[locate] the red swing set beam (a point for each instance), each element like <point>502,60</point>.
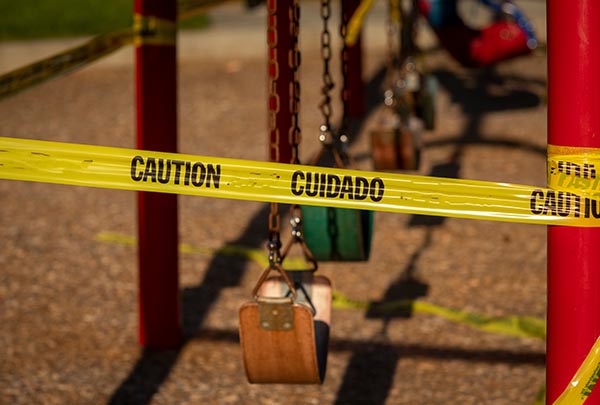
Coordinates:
<point>573,253</point>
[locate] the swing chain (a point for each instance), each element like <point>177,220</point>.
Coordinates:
<point>294,61</point>
<point>328,85</point>
<point>274,242</point>
<point>393,54</point>
<point>343,138</point>
<point>345,91</point>
<point>274,102</point>
<point>298,238</point>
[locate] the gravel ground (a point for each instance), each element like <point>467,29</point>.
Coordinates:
<point>68,302</point>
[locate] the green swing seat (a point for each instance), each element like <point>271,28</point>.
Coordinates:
<point>338,234</point>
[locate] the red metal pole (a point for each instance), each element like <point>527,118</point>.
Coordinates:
<point>156,100</point>
<point>280,45</point>
<point>573,253</point>
<point>356,92</point>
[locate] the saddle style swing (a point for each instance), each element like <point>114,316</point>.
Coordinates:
<point>284,330</point>
<point>409,97</point>
<point>335,234</point>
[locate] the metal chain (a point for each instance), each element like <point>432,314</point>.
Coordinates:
<point>295,134</point>
<point>328,85</point>
<point>274,102</point>
<point>274,243</point>
<point>294,61</point>
<point>393,32</point>
<point>345,91</point>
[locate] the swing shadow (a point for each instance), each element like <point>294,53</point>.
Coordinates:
<point>154,366</point>
<point>370,371</point>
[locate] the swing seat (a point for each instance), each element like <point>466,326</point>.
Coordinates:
<point>285,342</point>
<point>397,148</point>
<point>338,234</point>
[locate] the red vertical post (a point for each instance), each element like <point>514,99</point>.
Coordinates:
<point>356,92</point>
<point>280,74</point>
<point>156,101</point>
<point>573,253</point>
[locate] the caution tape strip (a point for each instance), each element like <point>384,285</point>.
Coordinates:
<point>189,8</point>
<point>130,169</point>
<point>357,20</point>
<point>581,385</point>
<point>146,30</point>
<point>509,325</point>
<point>150,30</point>
<point>256,255</point>
<point>63,62</point>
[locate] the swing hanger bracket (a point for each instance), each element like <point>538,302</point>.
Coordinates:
<point>275,313</point>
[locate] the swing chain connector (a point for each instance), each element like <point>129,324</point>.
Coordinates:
<point>274,247</point>
<point>296,223</point>
<point>326,135</point>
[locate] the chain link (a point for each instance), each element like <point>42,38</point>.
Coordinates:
<point>345,91</point>
<point>393,28</point>
<point>274,243</point>
<point>274,102</point>
<point>294,62</point>
<point>328,85</point>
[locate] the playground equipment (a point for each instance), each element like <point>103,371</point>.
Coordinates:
<point>337,234</point>
<point>573,293</point>
<point>573,122</point>
<point>409,104</point>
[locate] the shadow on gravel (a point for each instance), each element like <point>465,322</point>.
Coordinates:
<point>370,372</point>
<point>153,367</point>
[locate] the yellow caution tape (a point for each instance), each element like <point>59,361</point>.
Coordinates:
<point>256,255</point>
<point>146,30</point>
<point>584,380</point>
<point>63,62</point>
<point>395,11</point>
<point>508,325</point>
<point>129,169</point>
<point>573,169</point>
<point>356,21</point>
<point>519,326</point>
<point>189,8</point>
<point>540,398</point>
<point>150,30</point>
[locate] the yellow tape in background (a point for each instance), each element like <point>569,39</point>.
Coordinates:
<point>128,169</point>
<point>63,62</point>
<point>146,30</point>
<point>519,326</point>
<point>357,21</point>
<point>584,380</point>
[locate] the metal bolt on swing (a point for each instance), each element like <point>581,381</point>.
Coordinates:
<point>296,223</point>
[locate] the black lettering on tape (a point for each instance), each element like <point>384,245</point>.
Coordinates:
<point>331,185</point>
<point>136,176</point>
<point>167,171</point>
<point>164,173</point>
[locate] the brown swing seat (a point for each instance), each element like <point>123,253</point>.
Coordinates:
<point>285,340</point>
